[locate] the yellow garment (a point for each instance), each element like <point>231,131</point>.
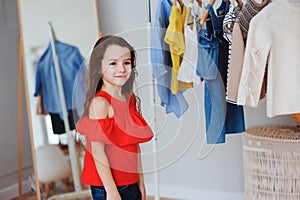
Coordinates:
<point>175,38</point>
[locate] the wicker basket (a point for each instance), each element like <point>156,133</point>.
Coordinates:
<point>296,118</point>
<point>272,163</point>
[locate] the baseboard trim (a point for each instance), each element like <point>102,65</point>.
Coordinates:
<point>13,190</point>
<point>169,191</point>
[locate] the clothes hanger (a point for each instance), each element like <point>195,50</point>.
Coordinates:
<point>188,13</point>
<point>180,3</point>
<point>240,5</point>
<point>239,2</point>
<point>199,3</point>
<point>203,18</point>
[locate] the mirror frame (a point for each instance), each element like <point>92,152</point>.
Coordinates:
<point>28,106</point>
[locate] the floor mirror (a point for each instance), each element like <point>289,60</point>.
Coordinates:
<point>72,24</point>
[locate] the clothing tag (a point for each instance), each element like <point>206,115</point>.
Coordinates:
<point>221,12</point>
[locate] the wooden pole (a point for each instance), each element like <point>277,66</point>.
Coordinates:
<point>24,72</point>
<point>20,122</point>
<point>97,18</point>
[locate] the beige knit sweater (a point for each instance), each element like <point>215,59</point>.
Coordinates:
<point>273,38</point>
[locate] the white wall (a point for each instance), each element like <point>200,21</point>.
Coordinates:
<point>9,31</point>
<point>181,140</point>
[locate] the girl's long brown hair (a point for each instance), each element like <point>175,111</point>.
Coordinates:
<point>94,76</point>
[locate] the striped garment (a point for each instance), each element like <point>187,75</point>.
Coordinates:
<point>249,10</point>
<point>228,23</point>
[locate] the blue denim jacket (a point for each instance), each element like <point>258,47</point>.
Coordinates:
<point>70,61</point>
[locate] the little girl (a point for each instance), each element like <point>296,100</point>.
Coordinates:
<point>112,124</point>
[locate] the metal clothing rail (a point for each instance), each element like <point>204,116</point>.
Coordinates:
<point>152,95</point>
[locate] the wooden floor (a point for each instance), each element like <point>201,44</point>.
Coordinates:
<point>28,196</point>
<point>57,188</point>
<point>32,196</point>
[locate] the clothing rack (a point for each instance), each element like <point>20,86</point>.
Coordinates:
<point>152,95</point>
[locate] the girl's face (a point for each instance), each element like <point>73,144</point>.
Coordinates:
<point>116,66</point>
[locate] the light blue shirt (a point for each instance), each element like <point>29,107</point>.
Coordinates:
<point>79,90</point>
<point>70,61</point>
<point>162,63</point>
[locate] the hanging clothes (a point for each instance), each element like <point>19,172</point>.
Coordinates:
<point>79,90</point>
<point>280,48</point>
<point>175,38</point>
<point>58,125</point>
<point>220,117</point>
<point>228,24</point>
<point>70,61</point>
<point>239,36</point>
<point>161,62</point>
<point>187,70</point>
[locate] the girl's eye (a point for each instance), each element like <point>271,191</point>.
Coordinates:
<point>127,63</point>
<point>112,63</point>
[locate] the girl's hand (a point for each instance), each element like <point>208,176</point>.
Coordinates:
<point>143,190</point>
<point>114,196</point>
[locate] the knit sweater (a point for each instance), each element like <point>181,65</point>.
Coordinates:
<point>273,38</point>
<point>239,35</point>
<point>249,10</point>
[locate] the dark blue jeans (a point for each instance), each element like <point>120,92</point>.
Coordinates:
<point>127,192</point>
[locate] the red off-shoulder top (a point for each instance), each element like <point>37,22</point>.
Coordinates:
<point>121,134</point>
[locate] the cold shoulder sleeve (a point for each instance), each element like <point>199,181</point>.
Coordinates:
<point>119,130</point>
